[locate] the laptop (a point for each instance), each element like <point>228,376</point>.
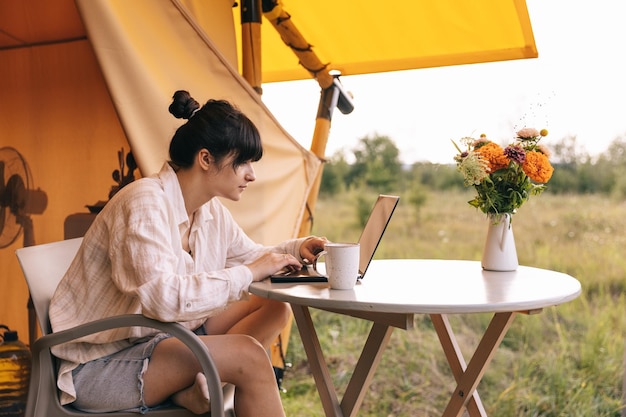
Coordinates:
<point>370,237</point>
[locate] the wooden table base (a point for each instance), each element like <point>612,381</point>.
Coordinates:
<point>364,371</point>
<point>467,376</point>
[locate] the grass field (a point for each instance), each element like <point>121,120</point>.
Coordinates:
<point>566,361</point>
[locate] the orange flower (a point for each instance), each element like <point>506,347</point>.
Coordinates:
<point>494,155</point>
<point>537,167</point>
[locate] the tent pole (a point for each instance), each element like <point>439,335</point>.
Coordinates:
<point>331,97</point>
<point>291,36</point>
<point>251,64</point>
<point>332,93</point>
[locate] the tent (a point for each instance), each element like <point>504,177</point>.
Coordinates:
<point>79,80</point>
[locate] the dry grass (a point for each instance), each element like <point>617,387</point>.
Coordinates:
<point>567,361</point>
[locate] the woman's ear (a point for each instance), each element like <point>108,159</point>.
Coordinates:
<point>204,158</point>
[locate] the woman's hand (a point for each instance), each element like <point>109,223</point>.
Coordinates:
<point>311,247</point>
<point>270,263</point>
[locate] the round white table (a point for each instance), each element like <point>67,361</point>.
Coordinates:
<point>392,291</point>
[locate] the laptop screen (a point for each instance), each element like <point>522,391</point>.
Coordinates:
<point>374,229</point>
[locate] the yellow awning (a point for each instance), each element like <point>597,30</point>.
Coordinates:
<point>369,36</point>
<point>354,37</point>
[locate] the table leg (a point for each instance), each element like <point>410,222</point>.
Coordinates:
<point>319,369</point>
<point>455,359</point>
<point>468,378</point>
<point>366,366</point>
<point>361,377</point>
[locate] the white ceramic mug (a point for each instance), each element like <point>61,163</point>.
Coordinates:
<point>342,264</point>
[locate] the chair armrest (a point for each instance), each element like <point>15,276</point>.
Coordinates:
<point>190,339</point>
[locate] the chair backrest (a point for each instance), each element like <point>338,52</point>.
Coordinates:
<point>44,266</point>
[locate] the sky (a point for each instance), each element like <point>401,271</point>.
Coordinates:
<point>576,87</point>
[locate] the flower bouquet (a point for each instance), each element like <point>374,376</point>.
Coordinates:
<point>504,178</point>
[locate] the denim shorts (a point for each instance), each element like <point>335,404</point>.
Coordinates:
<point>115,382</point>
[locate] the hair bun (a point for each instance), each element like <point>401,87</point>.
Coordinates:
<point>183,105</point>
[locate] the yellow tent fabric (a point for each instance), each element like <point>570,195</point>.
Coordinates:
<point>368,36</point>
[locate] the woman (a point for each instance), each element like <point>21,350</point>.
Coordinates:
<point>166,248</point>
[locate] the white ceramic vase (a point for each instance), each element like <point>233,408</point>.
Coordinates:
<point>500,253</point>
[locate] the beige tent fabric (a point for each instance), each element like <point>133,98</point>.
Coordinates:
<point>147,49</point>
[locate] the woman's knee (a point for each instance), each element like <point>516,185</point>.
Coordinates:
<point>249,357</point>
<point>250,348</point>
<point>280,311</point>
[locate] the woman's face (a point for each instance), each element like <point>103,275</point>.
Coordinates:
<point>230,182</point>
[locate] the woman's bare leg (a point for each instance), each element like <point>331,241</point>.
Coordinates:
<point>258,317</point>
<point>241,360</point>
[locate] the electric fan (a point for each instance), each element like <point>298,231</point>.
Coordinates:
<point>17,199</point>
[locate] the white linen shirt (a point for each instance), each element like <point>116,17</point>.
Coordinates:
<point>132,261</point>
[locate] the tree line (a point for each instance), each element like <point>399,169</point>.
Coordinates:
<point>374,163</point>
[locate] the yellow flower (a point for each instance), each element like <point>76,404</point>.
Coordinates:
<point>543,132</point>
<point>537,167</point>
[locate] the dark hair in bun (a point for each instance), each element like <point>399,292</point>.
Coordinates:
<point>183,105</point>
<point>218,127</point>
